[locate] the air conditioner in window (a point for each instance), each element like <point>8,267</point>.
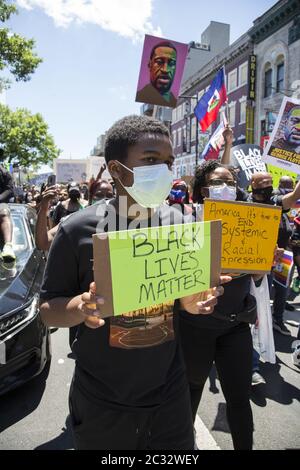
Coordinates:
<point>199,45</point>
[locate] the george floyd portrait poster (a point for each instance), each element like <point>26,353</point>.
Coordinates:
<point>283,148</point>
<point>161,71</point>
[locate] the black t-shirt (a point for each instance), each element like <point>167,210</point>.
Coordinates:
<point>119,372</point>
<point>231,302</point>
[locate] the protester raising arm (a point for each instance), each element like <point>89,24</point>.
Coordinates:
<point>43,237</point>
<point>289,200</point>
<point>228,137</point>
<point>101,171</point>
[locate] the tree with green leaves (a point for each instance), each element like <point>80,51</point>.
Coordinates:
<point>24,138</point>
<point>16,53</point>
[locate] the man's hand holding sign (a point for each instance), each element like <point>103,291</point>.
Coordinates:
<point>195,304</point>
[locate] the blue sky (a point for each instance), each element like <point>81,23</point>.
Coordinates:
<point>91,52</point>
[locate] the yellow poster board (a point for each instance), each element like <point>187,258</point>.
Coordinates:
<point>249,234</point>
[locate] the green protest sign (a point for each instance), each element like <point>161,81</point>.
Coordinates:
<point>154,265</point>
<point>277,173</point>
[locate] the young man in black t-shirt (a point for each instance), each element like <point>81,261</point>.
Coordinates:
<point>124,394</point>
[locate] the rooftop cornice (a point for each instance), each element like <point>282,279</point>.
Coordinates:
<point>274,19</point>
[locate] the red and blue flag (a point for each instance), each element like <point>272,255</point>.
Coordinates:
<point>214,145</point>
<point>209,104</point>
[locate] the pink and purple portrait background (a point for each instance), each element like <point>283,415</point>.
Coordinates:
<point>149,43</point>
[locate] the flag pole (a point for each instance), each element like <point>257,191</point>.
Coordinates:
<point>226,102</point>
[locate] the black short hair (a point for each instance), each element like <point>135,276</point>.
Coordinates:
<point>127,131</point>
<point>162,44</point>
<point>201,173</point>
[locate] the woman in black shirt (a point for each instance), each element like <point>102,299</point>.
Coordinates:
<point>223,337</point>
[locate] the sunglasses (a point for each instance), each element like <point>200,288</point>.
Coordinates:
<point>219,182</point>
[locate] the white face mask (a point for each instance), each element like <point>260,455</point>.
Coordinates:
<point>151,184</point>
<point>224,192</point>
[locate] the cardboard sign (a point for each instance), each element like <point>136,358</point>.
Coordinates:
<point>249,234</point>
<point>283,270</point>
<point>248,159</point>
<point>283,148</point>
<point>161,71</point>
<point>135,269</point>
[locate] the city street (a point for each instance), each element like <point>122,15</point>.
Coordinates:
<point>35,416</point>
<point>275,405</point>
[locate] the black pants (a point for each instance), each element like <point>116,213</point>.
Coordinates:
<point>101,427</point>
<point>231,349</point>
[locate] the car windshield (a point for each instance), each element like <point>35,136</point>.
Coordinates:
<point>20,240</point>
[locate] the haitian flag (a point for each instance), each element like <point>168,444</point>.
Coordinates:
<point>209,104</point>
<point>213,147</point>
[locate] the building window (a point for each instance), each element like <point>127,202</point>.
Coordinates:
<point>243,74</point>
<point>280,77</point>
<point>268,83</point>
<point>243,111</point>
<point>193,129</point>
<point>232,80</point>
<point>174,138</point>
<point>232,115</point>
<point>182,108</point>
<point>178,137</point>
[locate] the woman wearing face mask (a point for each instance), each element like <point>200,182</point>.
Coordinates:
<point>224,336</point>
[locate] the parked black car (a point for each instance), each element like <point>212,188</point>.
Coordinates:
<point>25,346</point>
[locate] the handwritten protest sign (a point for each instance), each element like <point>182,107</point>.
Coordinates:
<point>283,148</point>
<point>247,158</point>
<point>153,265</point>
<point>249,234</point>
